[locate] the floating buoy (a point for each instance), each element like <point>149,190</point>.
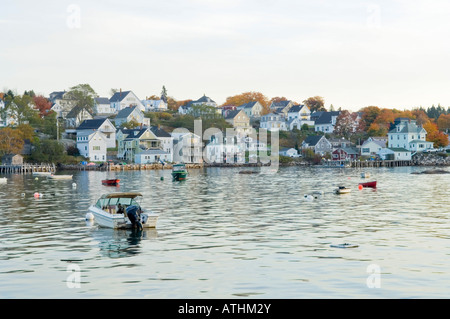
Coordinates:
<point>89,216</point>
<point>162,178</point>
<point>36,178</point>
<point>74,185</point>
<point>360,187</point>
<point>308,197</point>
<point>37,195</point>
<point>23,194</point>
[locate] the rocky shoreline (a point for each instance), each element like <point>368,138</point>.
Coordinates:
<point>438,159</point>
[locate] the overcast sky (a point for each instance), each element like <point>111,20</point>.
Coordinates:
<point>392,53</point>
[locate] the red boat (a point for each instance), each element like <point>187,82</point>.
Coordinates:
<point>111,182</point>
<point>369,184</point>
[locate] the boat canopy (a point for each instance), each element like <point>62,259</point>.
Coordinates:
<point>122,195</point>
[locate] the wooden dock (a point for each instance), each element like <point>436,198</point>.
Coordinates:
<point>27,168</point>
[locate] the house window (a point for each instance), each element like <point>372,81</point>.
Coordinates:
<point>96,148</point>
<point>366,150</point>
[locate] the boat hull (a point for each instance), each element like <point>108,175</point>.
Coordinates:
<point>179,176</point>
<point>111,182</point>
<point>120,221</point>
<point>369,184</point>
<point>60,177</point>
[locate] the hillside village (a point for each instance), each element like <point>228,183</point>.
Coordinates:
<point>126,128</point>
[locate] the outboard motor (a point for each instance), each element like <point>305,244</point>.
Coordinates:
<point>133,213</point>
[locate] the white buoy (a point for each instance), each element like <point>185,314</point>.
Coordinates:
<point>308,197</point>
<point>89,216</point>
<point>74,185</point>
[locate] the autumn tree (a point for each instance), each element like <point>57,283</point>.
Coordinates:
<point>369,114</point>
<point>247,97</point>
<point>42,104</point>
<point>315,103</point>
<point>11,141</point>
<point>438,138</point>
<point>344,124</point>
<point>443,122</point>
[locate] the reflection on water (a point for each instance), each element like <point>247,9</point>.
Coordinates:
<point>222,234</point>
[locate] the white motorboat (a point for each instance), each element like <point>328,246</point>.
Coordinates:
<point>3,179</point>
<point>342,190</point>
<point>42,173</point>
<point>122,210</point>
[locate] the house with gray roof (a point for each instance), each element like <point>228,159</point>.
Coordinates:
<point>318,143</point>
<point>326,122</point>
<point>165,138</point>
<point>281,106</point>
<point>102,125</point>
<point>204,100</point>
<point>406,134</point>
<point>123,99</point>
<point>252,109</point>
<point>76,116</point>
<point>129,114</point>
<point>102,106</point>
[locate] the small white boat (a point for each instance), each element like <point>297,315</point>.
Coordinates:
<point>42,173</point>
<point>53,176</point>
<point>365,175</point>
<point>3,179</point>
<point>342,190</point>
<point>122,210</point>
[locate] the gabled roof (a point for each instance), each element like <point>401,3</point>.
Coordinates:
<point>101,100</point>
<point>124,113</point>
<point>326,117</point>
<point>280,104</point>
<point>248,105</point>
<point>408,128</point>
<point>91,124</point>
<point>312,140</point>
<point>380,143</point>
<point>134,133</point>
<point>159,132</point>
<point>232,114</point>
<point>204,99</point>
<point>89,134</point>
<point>295,108</point>
<point>119,96</point>
<point>75,111</point>
<point>57,94</point>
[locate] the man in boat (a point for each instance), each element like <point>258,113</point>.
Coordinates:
<point>134,215</point>
<point>120,209</point>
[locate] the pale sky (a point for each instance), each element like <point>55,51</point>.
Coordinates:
<point>388,53</point>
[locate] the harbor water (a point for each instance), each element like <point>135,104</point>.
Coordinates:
<point>221,234</point>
